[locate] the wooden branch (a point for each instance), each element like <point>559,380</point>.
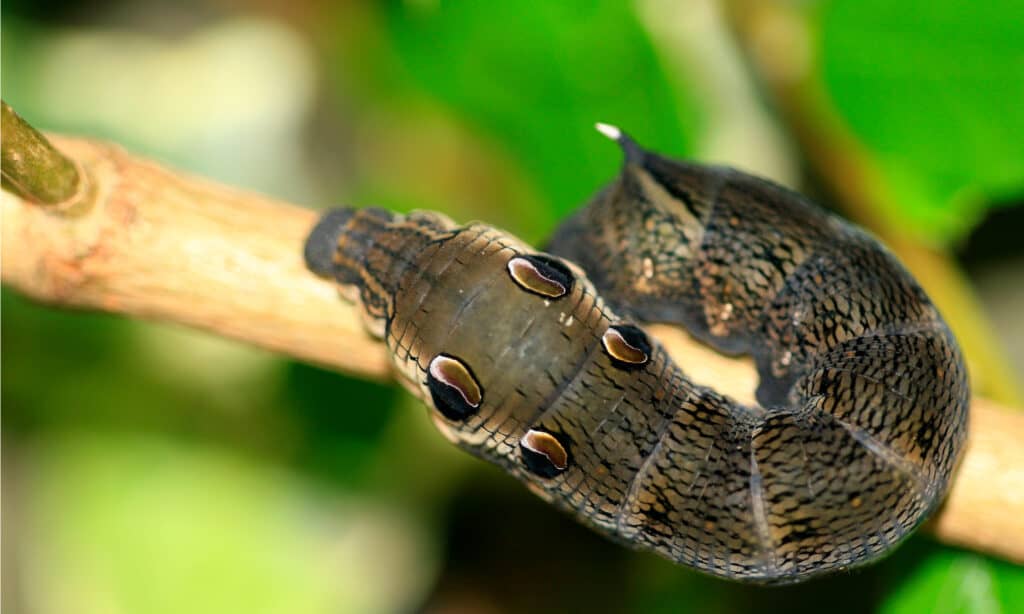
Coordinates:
<point>163,246</point>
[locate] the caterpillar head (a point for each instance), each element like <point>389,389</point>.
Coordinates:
<point>345,246</point>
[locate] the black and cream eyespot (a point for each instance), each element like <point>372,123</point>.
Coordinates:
<point>541,275</point>
<point>454,389</point>
<point>544,454</point>
<point>627,345</point>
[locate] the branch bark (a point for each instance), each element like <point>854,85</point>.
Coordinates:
<point>163,246</point>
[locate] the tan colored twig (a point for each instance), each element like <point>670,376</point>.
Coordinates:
<point>159,245</point>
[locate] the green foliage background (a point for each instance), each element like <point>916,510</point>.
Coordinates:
<point>151,469</point>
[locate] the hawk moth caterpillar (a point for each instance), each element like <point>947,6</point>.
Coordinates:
<point>862,402</point>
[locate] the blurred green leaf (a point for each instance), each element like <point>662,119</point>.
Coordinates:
<point>538,79</point>
<point>341,420</point>
<point>81,351</point>
<point>935,89</point>
<point>100,371</point>
<point>951,582</point>
<point>156,526</point>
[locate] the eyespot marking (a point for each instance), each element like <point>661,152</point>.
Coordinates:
<point>544,454</point>
<point>541,275</point>
<point>627,346</point>
<point>453,387</point>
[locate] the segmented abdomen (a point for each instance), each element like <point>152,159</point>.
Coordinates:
<point>863,395</point>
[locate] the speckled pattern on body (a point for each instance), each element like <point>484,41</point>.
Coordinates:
<point>863,397</point>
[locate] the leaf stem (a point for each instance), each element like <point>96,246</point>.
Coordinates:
<point>31,166</point>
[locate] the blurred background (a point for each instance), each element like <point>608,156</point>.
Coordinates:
<point>149,468</point>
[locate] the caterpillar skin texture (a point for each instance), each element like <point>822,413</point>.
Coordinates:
<point>863,395</point>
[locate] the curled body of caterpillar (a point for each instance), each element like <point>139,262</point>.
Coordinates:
<point>863,395</point>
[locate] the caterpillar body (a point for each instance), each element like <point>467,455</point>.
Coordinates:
<point>862,402</point>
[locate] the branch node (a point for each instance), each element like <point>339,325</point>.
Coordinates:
<point>33,168</point>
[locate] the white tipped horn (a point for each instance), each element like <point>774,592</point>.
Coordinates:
<point>629,147</point>
<point>609,130</point>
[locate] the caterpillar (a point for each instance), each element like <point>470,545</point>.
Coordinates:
<point>536,362</point>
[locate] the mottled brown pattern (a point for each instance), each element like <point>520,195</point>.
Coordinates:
<point>863,395</point>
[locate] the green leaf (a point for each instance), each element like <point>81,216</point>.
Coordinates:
<point>148,525</point>
<point>935,89</point>
<point>538,79</point>
<point>340,420</point>
<point>951,582</point>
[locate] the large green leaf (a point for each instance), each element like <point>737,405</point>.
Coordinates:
<point>538,79</point>
<point>951,582</point>
<point>935,89</point>
<point>149,525</point>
